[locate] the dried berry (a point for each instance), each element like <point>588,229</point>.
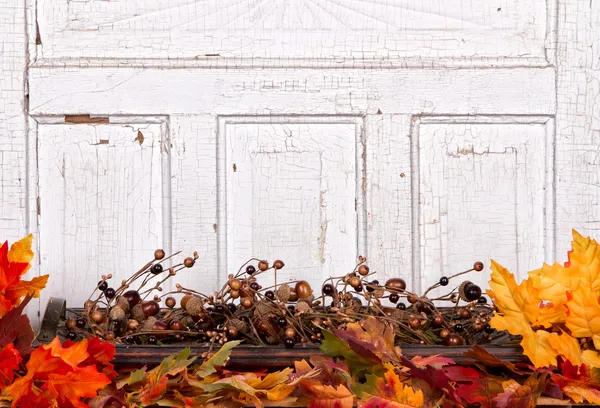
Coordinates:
<point>152,340</point>
<point>102,285</point>
<point>80,323</point>
<point>70,323</point>
<point>401,306</point>
<point>363,270</point>
<point>444,281</point>
<point>170,302</point>
<point>394,297</point>
<point>289,342</point>
<point>72,336</point>
<point>188,262</point>
<point>250,270</point>
<point>328,289</point>
<point>235,284</point>
<point>269,294</point>
<point>156,269</point>
<point>396,284</point>
<point>159,254</point>
<point>109,293</point>
<point>263,265</point>
<point>478,266</point>
<point>278,264</point>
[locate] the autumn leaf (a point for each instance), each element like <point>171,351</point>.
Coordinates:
<point>480,354</point>
<point>578,382</point>
<point>566,346</point>
<point>371,339</point>
<point>473,386</point>
<point>23,288</point>
<point>73,355</point>
<point>390,392</point>
<point>16,329</point>
<point>216,360</point>
<point>435,361</point>
<point>333,346</point>
<point>9,362</point>
<point>101,353</point>
<point>436,378</point>
<point>583,315</point>
<point>71,387</point>
<point>516,395</point>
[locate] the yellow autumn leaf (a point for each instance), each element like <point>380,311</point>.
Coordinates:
<point>20,251</point>
<point>585,258</point>
<point>583,315</point>
<point>516,301</point>
<point>590,358</point>
<point>566,346</point>
<point>578,393</point>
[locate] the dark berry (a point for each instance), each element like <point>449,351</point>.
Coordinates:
<point>156,269</point>
<point>80,323</point>
<point>458,327</point>
<point>359,288</point>
<point>152,340</point>
<point>444,281</point>
<point>250,269</point>
<point>488,329</point>
<point>375,282</point>
<point>109,293</point>
<point>394,297</point>
<point>472,292</point>
<point>220,309</point>
<point>254,286</point>
<point>72,336</point>
<point>482,300</point>
<point>210,309</point>
<point>232,307</point>
<point>328,289</point>
<point>102,285</point>
<point>292,308</point>
<point>401,306</point>
<point>269,294</point>
<point>289,342</point>
<point>281,321</point>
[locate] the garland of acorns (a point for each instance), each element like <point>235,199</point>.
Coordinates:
<point>287,313</point>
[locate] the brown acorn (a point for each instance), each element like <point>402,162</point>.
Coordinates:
<point>132,324</point>
<point>363,270</point>
<point>170,302</point>
<point>263,265</point>
<point>188,262</point>
<point>355,281</point>
<point>97,316</point>
<point>235,284</point>
<point>175,324</point>
<point>278,264</point>
<point>160,325</point>
<point>262,327</point>
<point>247,302</point>
<point>396,284</point>
<point>133,297</point>
<point>184,300</point>
<point>70,323</point>
<point>159,254</point>
<point>454,340</point>
<point>414,323</point>
<point>150,308</point>
<point>303,289</point>
<point>293,296</point>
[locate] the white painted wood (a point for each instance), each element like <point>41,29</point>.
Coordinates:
<point>257,30</point>
<point>578,122</point>
<point>101,203</point>
<point>291,194</point>
<point>482,195</point>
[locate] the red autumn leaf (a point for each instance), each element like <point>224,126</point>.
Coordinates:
<point>522,396</point>
<point>474,386</point>
<point>436,378</point>
<point>390,392</point>
<point>73,354</point>
<point>16,329</point>
<point>480,354</point>
<point>9,362</point>
<point>578,382</point>
<point>372,339</point>
<point>101,353</point>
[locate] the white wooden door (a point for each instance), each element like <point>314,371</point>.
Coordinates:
<point>424,135</point>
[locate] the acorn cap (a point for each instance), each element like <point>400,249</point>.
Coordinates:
<point>137,313</point>
<point>123,303</point>
<point>149,323</point>
<point>117,313</point>
<point>283,293</point>
<point>195,306</point>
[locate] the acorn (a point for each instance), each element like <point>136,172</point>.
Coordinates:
<point>122,303</point>
<point>454,340</point>
<point>262,327</point>
<point>195,306</point>
<point>133,297</point>
<point>263,265</point>
<point>184,300</point>
<point>235,284</point>
<point>156,269</point>
<point>150,308</point>
<point>159,254</point>
<point>478,266</point>
<point>70,323</point>
<point>137,313</point>
<point>290,332</point>
<point>170,302</point>
<point>278,264</point>
<point>175,324</point>
<point>303,289</point>
<point>148,324</point>
<point>414,323</point>
<point>117,313</point>
<point>247,302</point>
<point>132,324</point>
<point>396,284</point>
<point>188,262</point>
<point>293,296</point>
<point>160,325</point>
<point>363,270</point>
<point>355,282</point>
<point>469,292</point>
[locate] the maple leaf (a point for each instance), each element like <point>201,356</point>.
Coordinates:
<point>16,329</point>
<point>14,263</point>
<point>216,360</point>
<point>578,382</point>
<point>72,386</point>
<point>9,362</point>
<point>372,339</point>
<point>583,316</point>
<point>480,354</point>
<point>436,378</point>
<point>435,361</point>
<point>473,386</point>
<point>101,353</point>
<point>333,346</point>
<point>516,395</point>
<point>390,392</point>
<point>73,354</point>
<point>566,346</point>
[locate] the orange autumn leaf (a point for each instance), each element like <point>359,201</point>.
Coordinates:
<point>390,392</point>
<point>14,263</point>
<point>583,315</point>
<point>71,387</point>
<point>566,346</point>
<point>9,362</point>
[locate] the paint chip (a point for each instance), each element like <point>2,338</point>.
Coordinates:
<point>139,138</point>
